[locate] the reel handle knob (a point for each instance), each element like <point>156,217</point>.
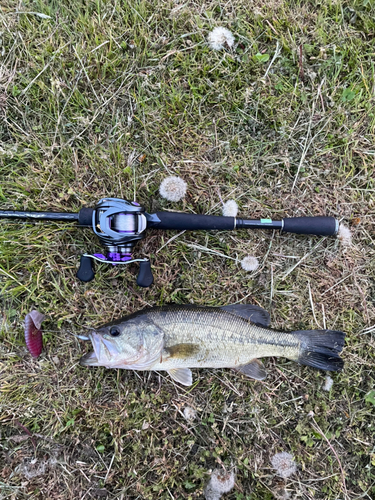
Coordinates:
<point>86,269</point>
<point>145,277</point>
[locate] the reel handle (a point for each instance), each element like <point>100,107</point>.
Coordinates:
<point>145,277</point>
<point>86,271</point>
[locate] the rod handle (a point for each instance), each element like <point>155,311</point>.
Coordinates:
<point>191,222</point>
<point>320,226</point>
<point>85,217</point>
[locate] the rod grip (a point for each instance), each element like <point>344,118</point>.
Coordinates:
<point>320,226</point>
<point>85,217</point>
<point>192,222</point>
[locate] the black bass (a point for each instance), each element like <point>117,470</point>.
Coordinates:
<point>177,338</point>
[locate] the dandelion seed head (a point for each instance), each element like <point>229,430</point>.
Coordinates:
<point>220,482</point>
<point>33,469</point>
<point>230,209</point>
<point>173,188</point>
<point>345,235</point>
<point>328,383</point>
<point>284,464</point>
<point>312,75</point>
<point>189,413</point>
<point>219,37</point>
<point>249,263</point>
<point>210,494</point>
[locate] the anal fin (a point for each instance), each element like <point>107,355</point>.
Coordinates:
<point>181,375</point>
<point>255,369</point>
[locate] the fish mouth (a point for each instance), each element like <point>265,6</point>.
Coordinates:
<point>89,359</point>
<point>103,352</point>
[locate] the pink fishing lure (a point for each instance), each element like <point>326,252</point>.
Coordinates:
<point>33,332</point>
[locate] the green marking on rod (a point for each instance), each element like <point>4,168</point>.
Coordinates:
<point>266,221</point>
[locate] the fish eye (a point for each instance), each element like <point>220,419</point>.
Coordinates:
<point>114,331</point>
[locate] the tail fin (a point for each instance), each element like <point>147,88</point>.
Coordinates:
<point>321,348</point>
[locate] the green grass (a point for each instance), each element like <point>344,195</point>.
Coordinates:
<point>108,98</point>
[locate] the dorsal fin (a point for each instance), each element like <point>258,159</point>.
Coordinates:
<point>255,314</point>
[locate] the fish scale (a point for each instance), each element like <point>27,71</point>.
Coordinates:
<point>224,340</point>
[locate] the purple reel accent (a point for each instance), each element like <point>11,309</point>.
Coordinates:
<point>118,257</point>
<point>114,257</point>
<point>100,256</point>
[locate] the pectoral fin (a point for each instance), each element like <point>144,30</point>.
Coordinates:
<point>181,375</point>
<point>252,313</point>
<point>255,369</point>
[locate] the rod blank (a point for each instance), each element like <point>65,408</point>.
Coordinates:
<point>56,216</point>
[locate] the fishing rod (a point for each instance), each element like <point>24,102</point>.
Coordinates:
<point>119,224</point>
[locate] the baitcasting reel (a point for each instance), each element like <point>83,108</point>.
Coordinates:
<point>119,224</point>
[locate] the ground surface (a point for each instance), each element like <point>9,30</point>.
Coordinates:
<point>107,99</point>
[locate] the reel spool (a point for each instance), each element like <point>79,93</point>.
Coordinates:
<point>119,224</point>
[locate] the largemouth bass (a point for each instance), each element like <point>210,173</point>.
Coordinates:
<point>178,338</point>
